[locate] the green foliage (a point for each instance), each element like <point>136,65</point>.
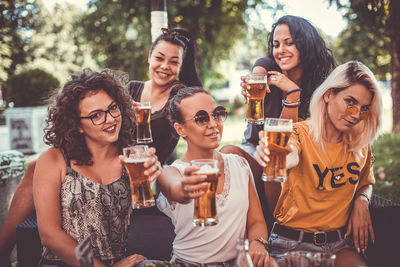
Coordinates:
<point>366,39</point>
<point>387,166</point>
<point>31,87</point>
<point>16,16</point>
<point>216,25</point>
<point>57,45</point>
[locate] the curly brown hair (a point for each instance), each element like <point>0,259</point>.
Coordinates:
<point>63,122</point>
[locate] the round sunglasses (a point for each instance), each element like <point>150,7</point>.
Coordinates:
<point>202,117</point>
<point>353,110</point>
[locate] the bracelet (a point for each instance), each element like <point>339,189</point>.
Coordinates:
<point>364,195</point>
<point>294,90</point>
<point>288,104</point>
<point>261,240</point>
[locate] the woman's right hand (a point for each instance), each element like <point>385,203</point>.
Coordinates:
<point>193,184</point>
<point>245,87</point>
<point>130,261</point>
<point>262,152</point>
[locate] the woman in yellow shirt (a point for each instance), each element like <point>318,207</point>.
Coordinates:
<point>326,196</point>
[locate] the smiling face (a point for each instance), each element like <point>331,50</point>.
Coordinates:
<point>106,133</point>
<point>207,136</point>
<point>356,96</point>
<point>165,63</point>
<point>284,50</point>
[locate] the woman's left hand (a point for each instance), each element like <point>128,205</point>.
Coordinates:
<point>281,81</point>
<point>259,255</point>
<point>360,224</point>
<point>152,165</point>
<point>131,260</point>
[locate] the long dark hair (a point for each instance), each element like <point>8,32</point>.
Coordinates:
<point>188,74</point>
<point>316,59</point>
<point>63,122</point>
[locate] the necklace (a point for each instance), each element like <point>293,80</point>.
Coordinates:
<point>335,163</point>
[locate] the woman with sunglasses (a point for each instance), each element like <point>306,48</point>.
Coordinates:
<point>329,185</point>
<point>172,66</point>
<point>80,187</point>
<point>298,61</point>
<point>197,119</point>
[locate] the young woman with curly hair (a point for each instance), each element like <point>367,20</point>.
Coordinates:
<point>80,186</point>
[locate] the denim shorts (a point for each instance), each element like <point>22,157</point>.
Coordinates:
<point>279,245</point>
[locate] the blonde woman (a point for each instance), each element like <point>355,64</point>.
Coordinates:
<point>325,199</point>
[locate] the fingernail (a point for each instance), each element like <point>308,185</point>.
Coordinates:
<point>363,251</point>
<point>373,241</point>
<point>345,236</point>
<point>358,250</point>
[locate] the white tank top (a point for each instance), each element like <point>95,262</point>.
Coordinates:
<point>212,243</point>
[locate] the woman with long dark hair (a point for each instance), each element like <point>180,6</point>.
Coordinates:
<point>172,66</point>
<point>298,61</point>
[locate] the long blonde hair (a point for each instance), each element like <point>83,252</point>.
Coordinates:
<point>341,78</point>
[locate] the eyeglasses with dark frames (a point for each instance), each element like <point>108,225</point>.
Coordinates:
<point>202,117</point>
<point>100,116</point>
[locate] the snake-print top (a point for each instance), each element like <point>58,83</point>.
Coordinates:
<point>99,211</point>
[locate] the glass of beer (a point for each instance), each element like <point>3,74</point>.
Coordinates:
<point>258,88</point>
<point>276,136</point>
<point>143,116</point>
<point>134,159</point>
<point>205,208</point>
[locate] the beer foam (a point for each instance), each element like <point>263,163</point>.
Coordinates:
<point>133,160</point>
<point>257,82</point>
<point>279,128</point>
<point>206,169</point>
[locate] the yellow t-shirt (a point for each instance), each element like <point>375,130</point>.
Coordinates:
<point>318,193</point>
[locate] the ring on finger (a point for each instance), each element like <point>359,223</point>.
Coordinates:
<point>273,78</point>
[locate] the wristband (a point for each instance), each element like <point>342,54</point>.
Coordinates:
<point>294,90</point>
<point>288,104</point>
<point>364,195</point>
<point>261,240</point>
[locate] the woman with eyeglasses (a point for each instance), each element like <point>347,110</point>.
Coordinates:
<point>197,119</point>
<point>81,189</point>
<point>172,66</point>
<point>325,199</point>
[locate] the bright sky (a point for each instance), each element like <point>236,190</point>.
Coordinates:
<point>328,19</point>
<point>318,12</point>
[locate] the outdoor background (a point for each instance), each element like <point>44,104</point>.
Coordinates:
<point>43,42</point>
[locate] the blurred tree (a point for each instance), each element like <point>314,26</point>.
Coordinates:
<point>374,30</point>
<point>16,16</point>
<point>57,45</point>
<point>216,25</point>
<point>31,87</point>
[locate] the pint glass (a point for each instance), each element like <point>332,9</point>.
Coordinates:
<point>258,88</point>
<point>205,208</point>
<point>134,159</point>
<point>276,136</point>
<point>143,116</point>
